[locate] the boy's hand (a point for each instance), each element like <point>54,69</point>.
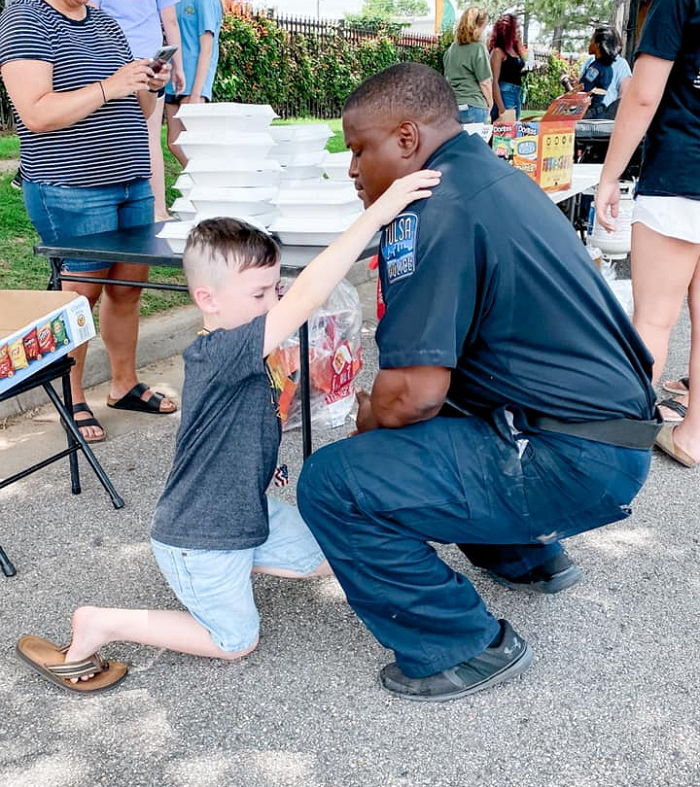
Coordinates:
<point>403,192</point>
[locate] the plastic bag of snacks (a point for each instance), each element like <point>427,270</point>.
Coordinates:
<point>335,354</point>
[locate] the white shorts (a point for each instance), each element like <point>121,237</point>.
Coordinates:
<point>675,217</point>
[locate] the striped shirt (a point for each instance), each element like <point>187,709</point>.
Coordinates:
<point>110,145</point>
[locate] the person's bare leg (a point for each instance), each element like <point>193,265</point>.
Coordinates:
<point>155,126</point>
<point>95,627</point>
<point>687,434</point>
<point>662,269</point>
<point>119,328</point>
<point>323,570</point>
<point>92,293</point>
<point>175,128</point>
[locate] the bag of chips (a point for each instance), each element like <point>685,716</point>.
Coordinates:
<point>47,343</point>
<point>18,356</point>
<point>6,368</point>
<point>58,328</point>
<point>335,354</point>
<point>31,345</point>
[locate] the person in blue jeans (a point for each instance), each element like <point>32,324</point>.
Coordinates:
<point>467,69</point>
<point>507,64</point>
<point>512,408</point>
<point>81,102</point>
<point>200,24</point>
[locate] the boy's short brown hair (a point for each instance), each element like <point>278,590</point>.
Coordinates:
<point>216,246</point>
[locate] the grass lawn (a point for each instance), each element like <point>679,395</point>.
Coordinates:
<point>20,269</point>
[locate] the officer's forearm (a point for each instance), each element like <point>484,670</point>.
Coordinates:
<point>407,396</point>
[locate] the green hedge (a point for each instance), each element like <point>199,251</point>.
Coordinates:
<point>544,85</point>
<point>301,75</point>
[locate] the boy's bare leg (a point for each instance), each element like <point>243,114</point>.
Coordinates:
<point>323,570</point>
<point>95,627</point>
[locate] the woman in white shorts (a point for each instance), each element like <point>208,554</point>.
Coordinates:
<point>663,102</point>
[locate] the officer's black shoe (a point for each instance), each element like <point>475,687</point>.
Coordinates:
<point>509,658</point>
<point>555,575</point>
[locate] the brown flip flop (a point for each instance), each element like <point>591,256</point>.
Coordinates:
<point>49,661</point>
<point>665,441</point>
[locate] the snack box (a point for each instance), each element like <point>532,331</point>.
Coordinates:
<point>337,165</point>
<point>234,172</point>
<point>37,328</point>
<point>544,150</point>
<point>205,145</point>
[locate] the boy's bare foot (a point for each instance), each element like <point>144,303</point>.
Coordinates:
<point>89,635</point>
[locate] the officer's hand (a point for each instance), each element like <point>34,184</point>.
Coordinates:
<point>365,420</point>
<point>403,192</point>
<point>607,203</point>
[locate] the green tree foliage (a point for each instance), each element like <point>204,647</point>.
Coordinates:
<point>394,9</point>
<point>299,75</point>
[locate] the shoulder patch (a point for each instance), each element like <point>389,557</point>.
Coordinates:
<point>399,247</point>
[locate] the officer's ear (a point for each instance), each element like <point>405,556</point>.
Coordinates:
<point>408,135</point>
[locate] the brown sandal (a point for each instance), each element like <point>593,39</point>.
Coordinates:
<point>48,660</point>
<point>665,441</point>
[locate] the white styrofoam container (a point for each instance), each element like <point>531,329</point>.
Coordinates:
<point>226,117</point>
<point>327,202</point>
<point>212,202</point>
<point>294,232</point>
<point>208,145</point>
<point>184,209</point>
<point>308,132</point>
<point>234,172</point>
<point>175,233</point>
<point>336,166</point>
<point>299,174</point>
<point>321,193</point>
<point>184,184</point>
<point>302,157</point>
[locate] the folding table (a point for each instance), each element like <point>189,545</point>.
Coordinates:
<point>76,442</point>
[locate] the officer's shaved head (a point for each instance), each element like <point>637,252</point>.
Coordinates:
<point>394,122</point>
<point>407,91</point>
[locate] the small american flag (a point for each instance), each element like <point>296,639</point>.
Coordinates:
<point>281,475</point>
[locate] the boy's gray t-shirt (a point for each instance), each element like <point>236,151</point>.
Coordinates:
<point>226,446</point>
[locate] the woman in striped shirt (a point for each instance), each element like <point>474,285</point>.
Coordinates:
<point>81,103</point>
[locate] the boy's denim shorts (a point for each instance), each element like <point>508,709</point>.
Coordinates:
<point>216,586</point>
<point>64,211</point>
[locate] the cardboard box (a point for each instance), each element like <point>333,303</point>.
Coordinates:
<point>544,150</point>
<point>37,328</point>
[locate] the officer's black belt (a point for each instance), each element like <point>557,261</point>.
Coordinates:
<point>621,432</point>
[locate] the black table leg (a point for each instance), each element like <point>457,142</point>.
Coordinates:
<point>56,263</point>
<point>6,565</point>
<point>69,423</point>
<point>305,390</point>
<point>73,457</point>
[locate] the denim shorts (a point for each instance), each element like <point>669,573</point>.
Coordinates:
<point>473,115</point>
<point>512,99</point>
<point>64,211</point>
<point>216,587</point>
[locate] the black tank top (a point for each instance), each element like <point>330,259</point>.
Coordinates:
<point>512,70</point>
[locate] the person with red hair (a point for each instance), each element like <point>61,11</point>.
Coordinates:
<point>507,64</point>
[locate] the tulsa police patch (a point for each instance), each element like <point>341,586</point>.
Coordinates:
<point>399,247</point>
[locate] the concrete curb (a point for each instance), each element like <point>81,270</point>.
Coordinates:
<point>161,336</point>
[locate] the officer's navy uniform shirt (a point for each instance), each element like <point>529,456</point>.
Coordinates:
<point>488,278</point>
<point>671,165</point>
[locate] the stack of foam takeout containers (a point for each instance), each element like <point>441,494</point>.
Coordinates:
<point>230,171</point>
<point>312,208</point>
<point>314,215</point>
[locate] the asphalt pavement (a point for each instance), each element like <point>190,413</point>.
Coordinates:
<point>611,700</point>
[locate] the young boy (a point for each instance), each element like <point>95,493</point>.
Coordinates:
<point>214,525</point>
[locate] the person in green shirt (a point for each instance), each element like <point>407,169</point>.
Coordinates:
<point>467,68</point>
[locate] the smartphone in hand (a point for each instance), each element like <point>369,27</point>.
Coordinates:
<point>162,56</point>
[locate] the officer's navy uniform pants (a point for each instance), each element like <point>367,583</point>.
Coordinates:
<point>374,501</point>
